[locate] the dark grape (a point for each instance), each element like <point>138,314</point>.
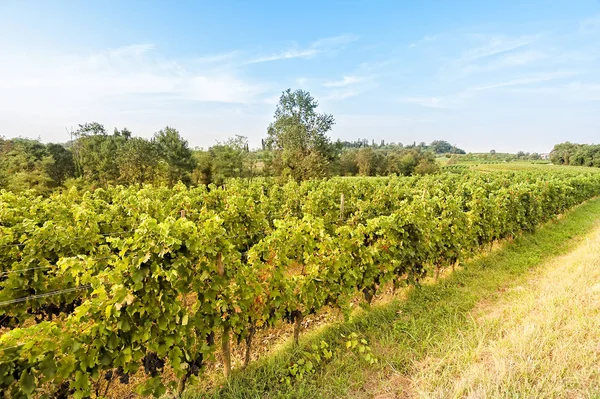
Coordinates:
<point>153,364</point>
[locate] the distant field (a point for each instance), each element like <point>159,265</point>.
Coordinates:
<point>511,166</point>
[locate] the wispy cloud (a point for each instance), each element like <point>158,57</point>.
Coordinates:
<point>524,81</point>
<point>429,102</point>
<point>132,50</point>
<point>497,45</point>
<point>424,40</point>
<point>126,72</point>
<point>461,97</point>
<point>508,61</point>
<point>320,46</point>
<point>214,58</point>
<point>342,94</point>
<point>572,91</point>
<point>286,55</point>
<point>350,85</point>
<point>346,81</point>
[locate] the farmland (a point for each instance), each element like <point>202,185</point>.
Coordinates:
<point>149,289</point>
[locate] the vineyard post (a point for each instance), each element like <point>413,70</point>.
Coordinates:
<point>297,325</point>
<point>342,207</point>
<point>226,348</point>
<point>248,346</point>
<point>225,339</point>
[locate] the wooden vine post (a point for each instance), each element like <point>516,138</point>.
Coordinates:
<point>297,325</point>
<point>225,338</point>
<point>248,346</point>
<point>342,207</point>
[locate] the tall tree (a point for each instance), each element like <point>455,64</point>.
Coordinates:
<point>138,161</point>
<point>96,153</point>
<point>298,137</point>
<point>63,166</point>
<point>175,154</point>
<point>230,159</point>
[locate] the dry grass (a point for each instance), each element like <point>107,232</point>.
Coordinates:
<point>541,340</point>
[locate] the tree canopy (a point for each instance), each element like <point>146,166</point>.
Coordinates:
<point>298,137</point>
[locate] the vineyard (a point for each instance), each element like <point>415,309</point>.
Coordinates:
<point>96,286</point>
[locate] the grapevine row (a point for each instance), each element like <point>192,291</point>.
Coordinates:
<point>171,269</point>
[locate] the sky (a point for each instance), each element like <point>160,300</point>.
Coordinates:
<point>502,75</point>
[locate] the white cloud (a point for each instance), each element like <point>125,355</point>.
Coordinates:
<point>507,61</point>
<point>133,87</point>
<point>132,50</point>
<point>497,45</point>
<point>573,91</point>
<point>123,72</point>
<point>286,55</point>
<point>349,86</point>
<point>429,102</point>
<point>342,94</point>
<point>346,81</point>
<point>208,59</point>
<point>320,46</point>
<point>426,39</point>
<point>524,81</point>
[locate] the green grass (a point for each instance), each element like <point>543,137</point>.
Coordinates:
<point>431,321</point>
<point>493,166</point>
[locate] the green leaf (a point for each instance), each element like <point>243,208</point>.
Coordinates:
<point>27,382</point>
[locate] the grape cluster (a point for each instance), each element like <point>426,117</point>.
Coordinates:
<point>153,364</point>
<point>196,365</point>
<point>123,376</point>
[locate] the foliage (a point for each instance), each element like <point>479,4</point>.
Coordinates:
<point>298,137</point>
<point>28,164</point>
<point>576,154</point>
<point>137,161</point>
<point>175,155</point>
<point>367,161</point>
<point>160,271</point>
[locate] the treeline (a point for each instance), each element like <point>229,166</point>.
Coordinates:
<point>576,154</point>
<point>95,158</point>
<point>497,156</point>
<point>367,161</point>
<point>436,146</point>
<point>297,147</point>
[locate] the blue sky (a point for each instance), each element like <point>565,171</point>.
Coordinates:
<point>483,75</point>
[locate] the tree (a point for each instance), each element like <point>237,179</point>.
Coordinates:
<point>366,161</point>
<point>298,137</point>
<point>444,147</point>
<point>347,165</point>
<point>229,159</point>
<point>138,161</point>
<point>202,173</point>
<point>175,154</point>
<point>63,166</point>
<point>23,165</point>
<point>95,153</point>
